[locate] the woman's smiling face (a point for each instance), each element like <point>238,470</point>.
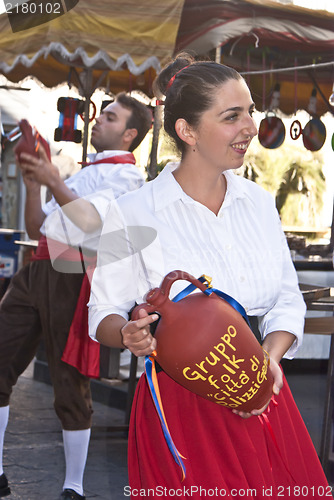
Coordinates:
<point>227,128</point>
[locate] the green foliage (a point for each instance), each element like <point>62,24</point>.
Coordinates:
<point>295,178</point>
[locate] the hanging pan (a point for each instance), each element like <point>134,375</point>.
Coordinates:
<point>314,132</point>
<point>272,130</point>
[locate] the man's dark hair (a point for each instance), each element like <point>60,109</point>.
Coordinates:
<point>140,119</point>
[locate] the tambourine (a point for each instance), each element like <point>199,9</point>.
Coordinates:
<point>205,344</point>
<point>30,141</point>
<point>271,132</point>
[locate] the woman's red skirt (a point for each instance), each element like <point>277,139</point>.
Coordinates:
<point>225,455</point>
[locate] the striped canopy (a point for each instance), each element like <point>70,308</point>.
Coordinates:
<point>125,42</point>
<point>125,38</point>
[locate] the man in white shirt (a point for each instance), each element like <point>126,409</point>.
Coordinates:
<point>40,301</point>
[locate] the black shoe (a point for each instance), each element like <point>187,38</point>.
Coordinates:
<point>4,488</point>
<point>68,494</point>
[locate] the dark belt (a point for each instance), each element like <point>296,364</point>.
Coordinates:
<point>254,324</point>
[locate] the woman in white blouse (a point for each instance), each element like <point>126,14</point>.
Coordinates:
<point>198,216</point>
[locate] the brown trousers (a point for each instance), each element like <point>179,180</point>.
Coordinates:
<point>40,303</point>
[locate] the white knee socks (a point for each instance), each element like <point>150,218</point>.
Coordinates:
<point>76,448</point>
<point>4,412</point>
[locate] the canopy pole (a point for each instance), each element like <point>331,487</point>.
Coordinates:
<point>86,125</point>
<point>87,90</point>
<point>157,123</point>
<point>218,54</point>
<point>86,78</point>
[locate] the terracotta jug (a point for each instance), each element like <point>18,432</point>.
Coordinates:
<point>205,345</point>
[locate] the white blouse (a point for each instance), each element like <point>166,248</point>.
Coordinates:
<point>159,228</point>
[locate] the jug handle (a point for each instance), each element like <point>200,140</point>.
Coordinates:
<point>173,276</point>
<point>164,289</point>
<point>147,307</point>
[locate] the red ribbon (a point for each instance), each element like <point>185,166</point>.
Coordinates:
<point>126,158</point>
<point>170,83</point>
<point>265,422</point>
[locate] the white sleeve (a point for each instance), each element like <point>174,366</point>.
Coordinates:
<point>288,313</point>
<point>114,288</point>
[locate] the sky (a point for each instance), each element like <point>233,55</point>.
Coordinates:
<point>309,4</point>
<point>318,5</point>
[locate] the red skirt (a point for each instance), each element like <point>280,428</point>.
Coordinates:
<point>225,455</point>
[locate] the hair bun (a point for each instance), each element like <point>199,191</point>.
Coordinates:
<point>162,81</point>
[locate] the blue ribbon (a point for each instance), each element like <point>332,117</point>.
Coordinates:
<point>230,300</point>
<point>154,389</point>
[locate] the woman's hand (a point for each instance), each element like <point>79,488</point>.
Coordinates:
<point>136,334</point>
<point>277,386</point>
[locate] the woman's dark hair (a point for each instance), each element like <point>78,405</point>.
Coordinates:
<point>140,119</point>
<point>192,91</point>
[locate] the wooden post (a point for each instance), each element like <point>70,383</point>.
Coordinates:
<point>157,123</point>
<point>87,91</point>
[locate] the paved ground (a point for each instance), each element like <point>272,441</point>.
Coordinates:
<point>33,455</point>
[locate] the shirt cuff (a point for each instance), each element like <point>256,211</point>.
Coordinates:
<point>96,315</point>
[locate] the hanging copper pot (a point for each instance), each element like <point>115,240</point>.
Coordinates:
<point>271,131</point>
<point>314,134</point>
